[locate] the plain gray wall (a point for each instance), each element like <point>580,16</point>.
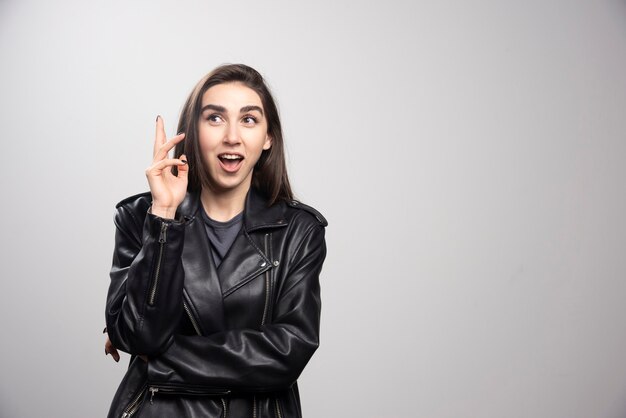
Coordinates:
<point>469,156</point>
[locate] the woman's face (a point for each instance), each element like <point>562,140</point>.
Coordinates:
<point>232,134</point>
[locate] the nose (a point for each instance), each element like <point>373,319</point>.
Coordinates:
<point>232,135</point>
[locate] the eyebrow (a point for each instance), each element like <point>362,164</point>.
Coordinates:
<point>223,109</point>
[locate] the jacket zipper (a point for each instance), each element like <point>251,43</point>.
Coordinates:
<point>152,390</point>
<point>155,281</point>
<point>175,390</point>
<point>224,405</point>
<point>134,405</point>
<point>266,311</point>
<point>267,283</point>
<point>191,318</point>
<point>278,414</point>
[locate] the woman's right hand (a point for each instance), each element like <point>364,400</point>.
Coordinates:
<point>168,190</point>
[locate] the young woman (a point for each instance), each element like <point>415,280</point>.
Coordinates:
<point>215,279</point>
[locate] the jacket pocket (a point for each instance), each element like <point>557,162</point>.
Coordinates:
<point>161,389</point>
<point>169,400</point>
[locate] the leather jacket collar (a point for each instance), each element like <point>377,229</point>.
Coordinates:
<point>256,214</point>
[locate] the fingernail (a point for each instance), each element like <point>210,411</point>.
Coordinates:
<point>184,161</point>
<point>158,116</point>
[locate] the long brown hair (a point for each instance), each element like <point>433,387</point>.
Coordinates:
<point>270,172</point>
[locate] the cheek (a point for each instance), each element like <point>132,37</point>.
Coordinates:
<point>258,141</point>
<point>207,140</point>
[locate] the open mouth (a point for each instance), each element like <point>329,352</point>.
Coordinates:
<point>230,162</point>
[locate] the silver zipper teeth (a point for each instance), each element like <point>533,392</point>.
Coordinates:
<point>162,241</point>
<point>254,406</point>
<point>267,285</point>
<point>132,407</point>
<point>277,408</point>
<point>192,319</point>
<point>224,405</point>
<point>293,395</point>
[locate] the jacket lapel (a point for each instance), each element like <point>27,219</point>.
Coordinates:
<point>248,258</point>
<point>202,286</point>
<point>202,283</point>
<point>205,286</point>
<point>244,262</point>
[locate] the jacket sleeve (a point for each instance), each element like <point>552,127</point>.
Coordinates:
<point>265,359</point>
<point>144,299</point>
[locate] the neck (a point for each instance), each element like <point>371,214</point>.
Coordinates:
<point>223,206</point>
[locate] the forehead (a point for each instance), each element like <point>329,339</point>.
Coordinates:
<point>231,95</point>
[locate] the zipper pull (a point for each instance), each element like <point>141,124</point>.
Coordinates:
<point>163,236</point>
<point>153,390</point>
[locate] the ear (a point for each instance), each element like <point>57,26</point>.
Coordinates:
<point>268,142</point>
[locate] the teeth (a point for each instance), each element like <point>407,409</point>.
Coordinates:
<point>230,156</point>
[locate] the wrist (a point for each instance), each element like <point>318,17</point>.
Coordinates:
<point>163,212</point>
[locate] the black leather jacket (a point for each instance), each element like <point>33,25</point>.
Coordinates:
<point>221,342</point>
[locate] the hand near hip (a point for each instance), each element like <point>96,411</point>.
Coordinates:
<point>168,190</point>
<point>110,349</point>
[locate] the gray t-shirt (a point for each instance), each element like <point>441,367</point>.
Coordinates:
<point>221,234</point>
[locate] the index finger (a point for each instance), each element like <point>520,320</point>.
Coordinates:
<point>162,152</point>
<point>159,138</point>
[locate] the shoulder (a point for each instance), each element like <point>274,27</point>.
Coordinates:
<point>301,212</point>
<point>132,209</point>
<point>139,199</point>
<point>307,229</point>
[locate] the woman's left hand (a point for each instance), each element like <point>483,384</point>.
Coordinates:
<point>109,349</point>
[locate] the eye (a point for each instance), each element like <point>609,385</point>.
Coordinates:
<point>214,117</point>
<point>249,120</point>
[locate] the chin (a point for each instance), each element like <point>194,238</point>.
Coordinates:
<point>229,184</point>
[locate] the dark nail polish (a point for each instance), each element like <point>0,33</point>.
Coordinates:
<point>185,161</point>
<point>158,116</point>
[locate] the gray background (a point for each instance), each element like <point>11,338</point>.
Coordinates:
<point>469,157</point>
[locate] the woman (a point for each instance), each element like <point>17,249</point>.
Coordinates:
<point>215,278</point>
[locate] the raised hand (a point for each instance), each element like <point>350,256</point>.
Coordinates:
<point>168,190</point>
